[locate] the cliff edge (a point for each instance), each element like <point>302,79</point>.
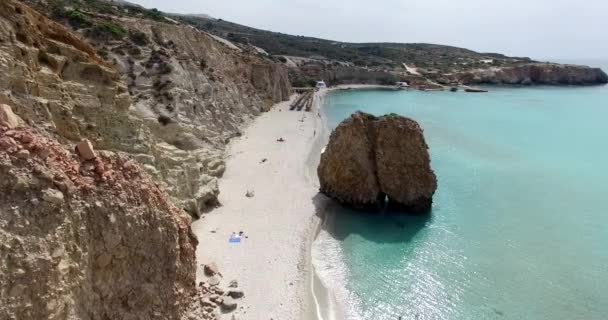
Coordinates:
<point>169,95</point>
<point>87,239</point>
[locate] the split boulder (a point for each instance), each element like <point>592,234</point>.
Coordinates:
<point>370,160</point>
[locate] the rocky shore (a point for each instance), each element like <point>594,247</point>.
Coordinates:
<point>536,73</point>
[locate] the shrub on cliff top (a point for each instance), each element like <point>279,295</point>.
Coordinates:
<point>78,20</point>
<point>103,53</point>
<point>139,38</point>
<point>106,31</point>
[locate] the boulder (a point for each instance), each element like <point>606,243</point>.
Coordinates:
<point>403,164</point>
<point>53,196</point>
<point>369,160</point>
<point>211,269</point>
<point>8,118</point>
<point>236,294</point>
<point>214,281</point>
<point>228,304</point>
<point>85,150</point>
<point>347,171</point>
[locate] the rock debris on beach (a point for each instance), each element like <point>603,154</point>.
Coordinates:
<point>210,300</point>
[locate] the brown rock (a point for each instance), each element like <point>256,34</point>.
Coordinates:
<point>26,138</point>
<point>53,196</point>
<point>347,168</point>
<point>403,164</point>
<point>535,73</point>
<point>228,304</point>
<point>44,153</point>
<point>206,302</point>
<point>8,118</point>
<point>100,227</point>
<point>7,142</point>
<point>211,269</point>
<point>85,150</point>
<point>23,154</point>
<point>369,159</point>
<point>236,294</point>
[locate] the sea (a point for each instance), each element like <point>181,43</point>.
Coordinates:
<point>519,226</point>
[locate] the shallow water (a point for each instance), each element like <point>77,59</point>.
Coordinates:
<point>519,223</point>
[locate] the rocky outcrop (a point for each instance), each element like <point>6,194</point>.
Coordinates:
<point>536,73</point>
<point>87,239</point>
<point>369,160</point>
<point>347,171</point>
<point>167,94</point>
<point>212,297</point>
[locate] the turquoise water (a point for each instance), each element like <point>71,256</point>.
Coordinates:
<point>519,227</point>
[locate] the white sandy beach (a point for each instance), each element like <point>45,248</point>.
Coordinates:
<point>272,265</point>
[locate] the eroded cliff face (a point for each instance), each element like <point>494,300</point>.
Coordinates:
<point>86,240</point>
<point>536,73</point>
<point>370,160</point>
<point>102,238</point>
<point>169,95</point>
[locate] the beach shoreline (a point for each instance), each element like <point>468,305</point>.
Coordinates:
<point>271,265</point>
<point>285,213</point>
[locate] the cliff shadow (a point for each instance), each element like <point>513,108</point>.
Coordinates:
<point>379,227</point>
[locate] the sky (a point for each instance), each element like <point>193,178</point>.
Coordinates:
<point>540,29</point>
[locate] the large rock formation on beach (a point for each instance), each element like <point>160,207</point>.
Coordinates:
<point>169,95</point>
<point>87,239</point>
<point>535,73</point>
<point>370,159</point>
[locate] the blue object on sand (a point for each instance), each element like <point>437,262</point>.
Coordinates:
<point>234,240</point>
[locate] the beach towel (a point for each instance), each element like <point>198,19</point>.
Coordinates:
<point>234,240</point>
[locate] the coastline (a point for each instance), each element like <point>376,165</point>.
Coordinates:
<point>272,265</point>
<point>285,213</point>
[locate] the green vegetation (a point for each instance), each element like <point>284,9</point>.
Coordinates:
<point>106,31</point>
<point>103,53</point>
<point>374,55</point>
<point>139,38</point>
<point>57,8</point>
<point>78,20</point>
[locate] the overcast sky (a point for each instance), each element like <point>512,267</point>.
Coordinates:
<point>558,29</point>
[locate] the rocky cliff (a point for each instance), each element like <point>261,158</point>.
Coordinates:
<point>369,160</point>
<point>98,236</point>
<point>169,95</point>
<point>82,239</point>
<point>535,73</point>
